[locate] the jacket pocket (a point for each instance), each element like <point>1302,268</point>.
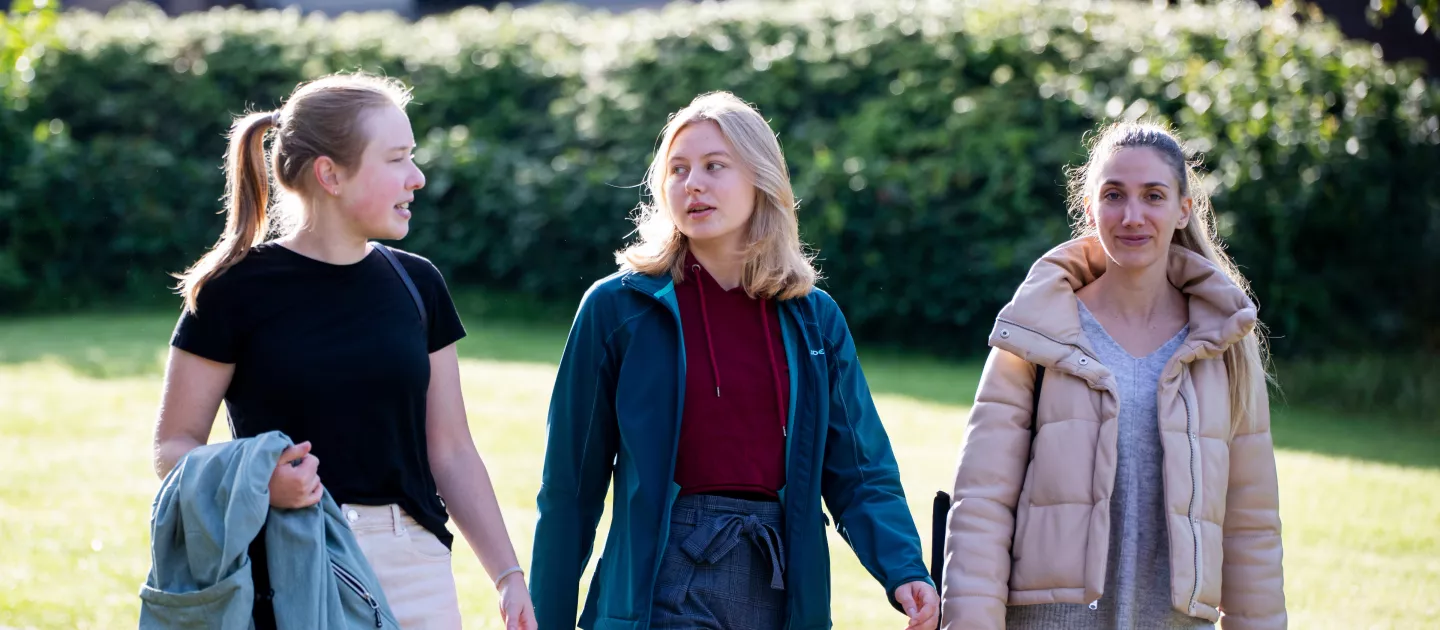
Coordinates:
<point>226,604</point>
<point>825,556</point>
<point>590,616</point>
<point>351,584</point>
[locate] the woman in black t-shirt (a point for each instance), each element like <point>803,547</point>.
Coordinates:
<point>317,334</point>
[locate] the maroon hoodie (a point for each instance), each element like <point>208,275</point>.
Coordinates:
<point>737,390</point>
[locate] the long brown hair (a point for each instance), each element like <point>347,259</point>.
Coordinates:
<point>320,118</point>
<point>1246,362</point>
<point>776,264</point>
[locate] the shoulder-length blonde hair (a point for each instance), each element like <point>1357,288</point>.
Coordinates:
<point>1247,361</point>
<point>776,263</point>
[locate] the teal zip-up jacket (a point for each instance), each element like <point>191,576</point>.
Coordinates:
<point>615,413</point>
<point>209,508</point>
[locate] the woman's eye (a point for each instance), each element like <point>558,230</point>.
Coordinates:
<point>714,166</point>
<point>678,170</point>
<point>1111,196</point>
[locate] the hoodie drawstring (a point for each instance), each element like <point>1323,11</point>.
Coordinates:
<point>705,318</point>
<point>769,351</point>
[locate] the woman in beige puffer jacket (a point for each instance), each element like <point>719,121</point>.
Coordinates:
<point>1034,538</point>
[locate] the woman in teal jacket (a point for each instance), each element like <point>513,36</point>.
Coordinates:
<point>720,391</point>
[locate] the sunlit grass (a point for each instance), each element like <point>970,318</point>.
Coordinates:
<point>1360,498</point>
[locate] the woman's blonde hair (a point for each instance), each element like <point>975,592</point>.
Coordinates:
<point>776,264</point>
<point>320,118</point>
<point>1246,362</point>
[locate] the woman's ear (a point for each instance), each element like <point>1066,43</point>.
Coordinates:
<point>327,174</point>
<point>1186,205</point>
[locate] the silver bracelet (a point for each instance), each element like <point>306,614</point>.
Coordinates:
<point>507,573</point>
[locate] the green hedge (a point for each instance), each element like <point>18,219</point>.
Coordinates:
<point>1369,387</point>
<point>926,140</point>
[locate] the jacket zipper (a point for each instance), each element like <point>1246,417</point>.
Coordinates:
<point>679,409</point>
<point>359,589</point>
<point>1193,438</point>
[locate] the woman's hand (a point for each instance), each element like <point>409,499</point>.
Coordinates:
<point>296,482</point>
<point>515,607</point>
<point>921,603</point>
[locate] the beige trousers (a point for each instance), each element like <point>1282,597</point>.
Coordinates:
<point>412,564</point>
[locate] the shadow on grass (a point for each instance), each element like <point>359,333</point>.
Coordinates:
<point>1385,440</point>
<point>928,379</point>
<point>132,341</point>
<point>97,345</point>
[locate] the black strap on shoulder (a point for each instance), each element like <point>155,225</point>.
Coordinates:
<point>940,510</point>
<point>409,284</point>
<point>1035,407</point>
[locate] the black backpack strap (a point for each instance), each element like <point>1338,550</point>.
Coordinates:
<point>409,284</point>
<point>940,510</point>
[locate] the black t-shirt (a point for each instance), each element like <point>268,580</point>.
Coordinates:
<point>333,354</point>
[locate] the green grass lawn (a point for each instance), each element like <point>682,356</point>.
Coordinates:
<point>1360,496</point>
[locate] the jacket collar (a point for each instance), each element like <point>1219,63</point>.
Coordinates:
<point>1220,313</point>
<point>654,286</point>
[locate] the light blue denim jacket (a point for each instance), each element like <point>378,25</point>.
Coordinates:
<point>208,510</point>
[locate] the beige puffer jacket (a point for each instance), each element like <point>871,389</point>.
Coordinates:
<point>1025,531</point>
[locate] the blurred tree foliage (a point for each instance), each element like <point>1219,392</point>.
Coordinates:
<point>926,141</point>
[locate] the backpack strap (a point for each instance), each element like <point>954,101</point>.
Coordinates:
<point>1035,407</point>
<point>939,512</point>
<point>409,284</point>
